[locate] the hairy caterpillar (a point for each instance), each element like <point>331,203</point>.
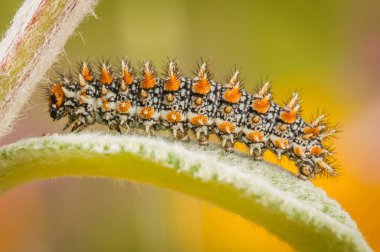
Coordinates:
<point>198,104</point>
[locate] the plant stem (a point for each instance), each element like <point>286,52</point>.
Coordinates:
<point>294,210</point>
<point>36,36</point>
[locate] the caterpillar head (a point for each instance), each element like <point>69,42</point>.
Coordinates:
<point>56,100</point>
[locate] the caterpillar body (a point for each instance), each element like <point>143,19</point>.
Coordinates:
<point>180,104</point>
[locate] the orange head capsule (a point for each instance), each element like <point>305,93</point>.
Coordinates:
<point>56,100</point>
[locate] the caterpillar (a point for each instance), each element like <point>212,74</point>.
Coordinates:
<point>180,104</point>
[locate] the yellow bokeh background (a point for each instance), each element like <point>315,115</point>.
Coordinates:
<point>329,51</point>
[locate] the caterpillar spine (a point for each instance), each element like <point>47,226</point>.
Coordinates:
<point>123,101</point>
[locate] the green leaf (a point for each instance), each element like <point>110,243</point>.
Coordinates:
<point>294,210</point>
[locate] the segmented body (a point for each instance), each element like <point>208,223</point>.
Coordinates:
<point>198,104</point>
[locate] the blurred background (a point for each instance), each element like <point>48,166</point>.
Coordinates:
<point>327,50</point>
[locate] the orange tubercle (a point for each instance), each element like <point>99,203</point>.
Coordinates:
<point>316,150</point>
<point>227,127</point>
<point>199,120</point>
<point>314,132</point>
<point>106,76</point>
<point>232,95</point>
<point>202,86</point>
<point>123,106</point>
<point>86,73</point>
<point>128,78</point>
<point>173,117</point>
<point>149,81</point>
<point>288,116</point>
<point>261,105</point>
<point>281,143</point>
<point>57,91</point>
<point>105,104</point>
<point>172,84</point>
<point>255,136</point>
<point>147,112</point>
<point>298,150</point>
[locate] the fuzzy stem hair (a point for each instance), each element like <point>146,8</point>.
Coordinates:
<point>36,36</point>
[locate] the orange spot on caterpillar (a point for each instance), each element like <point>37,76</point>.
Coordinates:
<point>261,105</point>
<point>227,127</point>
<point>202,86</point>
<point>82,99</point>
<point>147,112</point>
<point>123,106</point>
<point>281,143</point>
<point>172,84</point>
<point>312,132</point>
<point>173,117</point>
<point>255,136</point>
<point>105,104</point>
<point>86,72</point>
<point>298,150</point>
<point>106,76</point>
<point>149,80</point>
<point>232,95</point>
<point>172,81</point>
<point>316,150</point>
<point>199,120</point>
<point>288,116</point>
<point>128,77</point>
<point>59,96</point>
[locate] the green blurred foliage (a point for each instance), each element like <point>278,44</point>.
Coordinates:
<point>299,45</point>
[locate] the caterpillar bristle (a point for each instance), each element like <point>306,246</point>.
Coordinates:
<point>146,101</point>
<point>203,71</point>
<point>234,81</point>
<point>264,90</point>
<point>82,81</point>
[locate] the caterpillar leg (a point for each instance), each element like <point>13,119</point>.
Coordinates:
<point>256,151</point>
<point>125,122</point>
<point>148,128</point>
<point>202,135</point>
<point>174,131</point>
<point>203,139</point>
<point>72,119</point>
<point>78,126</point>
<point>114,126</point>
<point>180,133</point>
<point>228,145</point>
<point>228,142</point>
<point>182,136</point>
<point>127,128</point>
<point>67,125</point>
<point>305,170</point>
